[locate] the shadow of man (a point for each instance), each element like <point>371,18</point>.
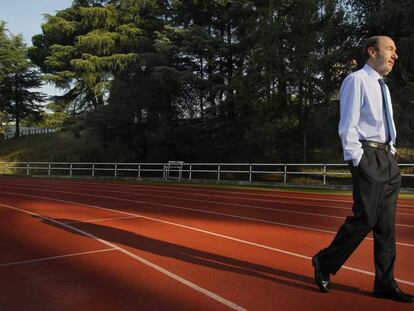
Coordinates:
<point>136,241</point>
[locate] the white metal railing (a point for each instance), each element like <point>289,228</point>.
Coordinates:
<point>281,173</point>
<point>30,131</point>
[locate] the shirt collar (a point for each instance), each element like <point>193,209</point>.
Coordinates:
<point>372,72</point>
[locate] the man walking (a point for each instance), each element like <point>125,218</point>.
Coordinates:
<point>368,136</point>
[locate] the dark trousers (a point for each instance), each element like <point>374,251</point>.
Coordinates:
<point>376,184</point>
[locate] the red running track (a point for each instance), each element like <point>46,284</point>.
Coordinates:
<point>70,244</point>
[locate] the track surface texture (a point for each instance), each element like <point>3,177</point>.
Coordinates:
<point>101,245</point>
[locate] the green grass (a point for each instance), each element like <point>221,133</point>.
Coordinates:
<point>53,147</point>
<point>62,146</point>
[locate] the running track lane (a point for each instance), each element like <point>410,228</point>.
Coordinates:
<point>255,265</point>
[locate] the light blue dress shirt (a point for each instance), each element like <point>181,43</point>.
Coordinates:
<point>362,114</point>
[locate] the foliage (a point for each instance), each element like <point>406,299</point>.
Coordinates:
<point>17,80</point>
<point>80,50</point>
<point>218,80</point>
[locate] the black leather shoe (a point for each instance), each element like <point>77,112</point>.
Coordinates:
<point>321,279</point>
<point>394,294</point>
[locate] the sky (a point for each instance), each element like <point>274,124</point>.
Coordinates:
<point>26,16</point>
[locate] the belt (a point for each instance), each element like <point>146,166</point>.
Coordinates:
<point>374,144</point>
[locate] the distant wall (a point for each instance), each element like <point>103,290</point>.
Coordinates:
<point>10,131</point>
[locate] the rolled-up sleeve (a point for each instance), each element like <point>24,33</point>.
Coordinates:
<point>350,110</point>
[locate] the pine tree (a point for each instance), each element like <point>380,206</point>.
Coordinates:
<point>19,78</point>
<point>80,50</point>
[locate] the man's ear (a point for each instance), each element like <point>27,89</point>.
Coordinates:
<point>372,51</point>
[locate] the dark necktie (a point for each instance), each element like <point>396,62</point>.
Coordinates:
<point>389,124</point>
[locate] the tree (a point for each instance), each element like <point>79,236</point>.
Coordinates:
<point>80,50</point>
<point>236,80</point>
<point>19,78</point>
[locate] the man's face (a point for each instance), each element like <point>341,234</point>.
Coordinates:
<point>384,56</point>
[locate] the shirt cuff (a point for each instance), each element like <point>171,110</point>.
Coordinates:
<point>357,158</point>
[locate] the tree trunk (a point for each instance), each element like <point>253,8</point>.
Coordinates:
<point>304,146</point>
<point>17,117</point>
<point>201,94</point>
<point>17,133</point>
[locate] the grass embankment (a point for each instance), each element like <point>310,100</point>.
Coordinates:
<point>59,146</point>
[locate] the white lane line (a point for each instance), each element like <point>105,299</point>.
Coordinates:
<point>180,208</point>
<point>252,206</point>
<point>226,204</point>
<point>210,201</point>
<point>231,204</point>
<point>276,195</point>
<point>98,220</point>
<point>222,236</point>
<point>129,217</point>
<point>199,200</point>
<point>174,276</point>
<point>53,257</point>
<point>288,200</point>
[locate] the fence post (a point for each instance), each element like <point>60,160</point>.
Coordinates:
<point>250,173</point>
<point>164,172</point>
<point>116,168</point>
<point>27,168</point>
<point>324,174</point>
<point>218,173</point>
<point>70,170</point>
<point>48,169</point>
<point>285,174</point>
<point>93,169</point>
<point>139,171</point>
<point>190,173</point>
